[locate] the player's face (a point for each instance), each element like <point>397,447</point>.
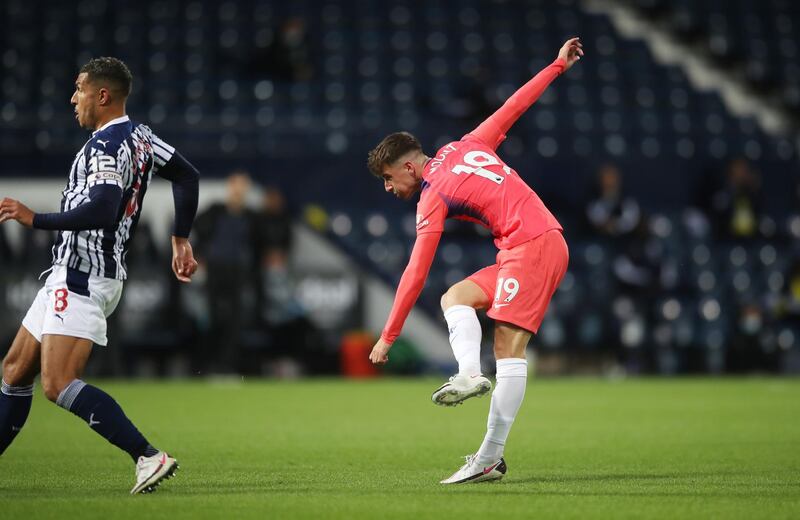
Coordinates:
<point>84,100</point>
<point>400,180</point>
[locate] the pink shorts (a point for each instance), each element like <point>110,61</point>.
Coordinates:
<point>522,282</point>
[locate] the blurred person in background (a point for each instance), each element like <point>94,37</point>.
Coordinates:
<point>298,344</point>
<point>227,240</point>
<point>610,212</point>
<point>37,247</point>
<point>469,101</point>
<point>637,269</point>
<point>789,303</point>
<point>100,208</point>
<point>275,241</point>
<point>466,180</point>
<point>745,352</point>
<point>736,206</point>
<point>9,261</point>
<point>275,228</point>
<point>286,57</point>
<point>638,265</point>
<point>7,256</point>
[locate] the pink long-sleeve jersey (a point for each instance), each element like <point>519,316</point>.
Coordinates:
<point>466,180</point>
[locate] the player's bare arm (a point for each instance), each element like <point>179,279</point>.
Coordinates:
<point>11,209</point>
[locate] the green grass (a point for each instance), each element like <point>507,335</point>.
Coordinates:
<point>581,448</point>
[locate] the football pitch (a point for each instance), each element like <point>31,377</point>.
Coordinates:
<point>581,448</point>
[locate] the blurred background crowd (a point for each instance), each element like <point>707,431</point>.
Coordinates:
<point>669,154</point>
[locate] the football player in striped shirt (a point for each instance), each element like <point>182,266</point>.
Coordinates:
<point>100,208</point>
<point>467,180</point>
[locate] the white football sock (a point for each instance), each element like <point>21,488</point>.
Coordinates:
<point>512,375</point>
<point>465,338</point>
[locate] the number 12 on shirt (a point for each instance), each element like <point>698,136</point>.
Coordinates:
<point>476,164</point>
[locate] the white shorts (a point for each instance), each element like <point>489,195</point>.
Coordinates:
<point>73,303</point>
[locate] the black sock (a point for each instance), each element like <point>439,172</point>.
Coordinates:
<point>104,416</point>
<point>149,451</point>
<point>15,403</point>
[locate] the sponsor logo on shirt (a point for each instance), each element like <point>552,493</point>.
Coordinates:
<point>104,176</point>
<point>420,222</point>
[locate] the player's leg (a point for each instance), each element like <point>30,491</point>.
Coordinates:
<point>528,276</point>
<point>512,376</point>
<point>63,361</point>
<point>20,367</point>
<point>75,313</point>
<point>459,304</point>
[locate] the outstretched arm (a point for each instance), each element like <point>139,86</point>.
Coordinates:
<point>411,284</point>
<point>185,188</point>
<point>493,130</point>
<point>99,212</point>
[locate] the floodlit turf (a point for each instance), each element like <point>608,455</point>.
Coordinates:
<point>687,448</point>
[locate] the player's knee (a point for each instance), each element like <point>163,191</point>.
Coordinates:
<point>12,371</point>
<point>8,369</point>
<point>453,296</point>
<point>444,301</point>
<point>52,387</point>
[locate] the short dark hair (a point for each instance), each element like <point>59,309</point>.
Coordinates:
<point>393,147</point>
<point>110,70</point>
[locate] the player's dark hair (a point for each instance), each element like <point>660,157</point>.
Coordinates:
<point>111,71</point>
<point>393,147</point>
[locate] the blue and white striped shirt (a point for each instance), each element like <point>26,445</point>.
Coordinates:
<point>124,154</point>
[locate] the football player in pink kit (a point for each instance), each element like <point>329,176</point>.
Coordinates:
<point>466,180</point>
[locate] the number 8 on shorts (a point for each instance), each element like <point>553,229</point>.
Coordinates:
<point>61,302</point>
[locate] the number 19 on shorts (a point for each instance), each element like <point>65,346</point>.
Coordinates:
<point>508,287</point>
